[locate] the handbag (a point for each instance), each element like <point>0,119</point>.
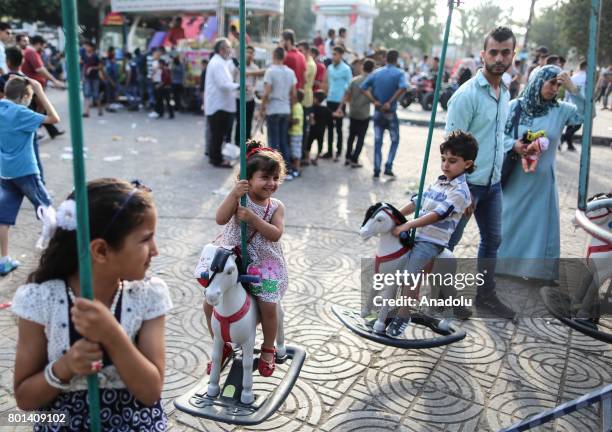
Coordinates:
<point>511,157</point>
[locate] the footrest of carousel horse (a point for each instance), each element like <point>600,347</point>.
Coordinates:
<point>354,322</point>
<point>559,304</point>
<point>227,408</point>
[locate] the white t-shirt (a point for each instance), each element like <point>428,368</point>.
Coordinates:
<point>282,79</point>
<point>3,64</point>
<point>156,72</point>
<point>47,304</point>
<point>579,80</point>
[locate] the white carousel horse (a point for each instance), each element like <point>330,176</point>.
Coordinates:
<point>235,316</point>
<point>599,255</point>
<point>391,254</point>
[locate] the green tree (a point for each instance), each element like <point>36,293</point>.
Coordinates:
<point>545,30</point>
<point>475,23</point>
<point>49,12</point>
<point>407,23</point>
<point>574,25</point>
<point>298,16</point>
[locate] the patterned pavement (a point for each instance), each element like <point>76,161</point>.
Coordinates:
<point>501,373</point>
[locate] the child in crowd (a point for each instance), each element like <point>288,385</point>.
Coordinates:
<point>19,169</point>
<point>442,206</point>
<point>164,91</point>
<point>319,119</point>
<point>63,337</point>
<point>295,133</point>
<point>265,217</point>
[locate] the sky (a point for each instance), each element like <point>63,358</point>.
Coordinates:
<point>520,7</point>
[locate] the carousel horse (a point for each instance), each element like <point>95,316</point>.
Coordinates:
<point>235,315</point>
<point>599,262</point>
<point>392,255</point>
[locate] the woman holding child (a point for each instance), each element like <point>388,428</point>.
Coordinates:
<point>530,228</point>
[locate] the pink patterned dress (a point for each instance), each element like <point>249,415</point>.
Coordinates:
<point>266,257</point>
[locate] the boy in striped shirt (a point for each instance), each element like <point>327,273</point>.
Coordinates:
<point>442,206</point>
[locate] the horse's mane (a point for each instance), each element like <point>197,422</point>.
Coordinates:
<point>379,205</point>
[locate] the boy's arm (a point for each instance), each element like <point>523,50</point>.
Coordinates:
<point>408,208</point>
<point>419,222</point>
<point>52,115</point>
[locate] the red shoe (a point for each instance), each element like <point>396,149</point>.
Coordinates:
<point>265,368</point>
<point>227,351</point>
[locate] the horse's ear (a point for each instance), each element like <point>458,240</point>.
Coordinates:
<point>204,279</point>
<point>370,212</point>
<point>400,218</point>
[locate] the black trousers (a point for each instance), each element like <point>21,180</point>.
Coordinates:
<point>568,136</point>
<point>357,130</point>
<point>177,95</point>
<point>162,97</point>
<point>250,110</point>
<point>218,124</point>
<point>335,123</point>
<point>315,134</point>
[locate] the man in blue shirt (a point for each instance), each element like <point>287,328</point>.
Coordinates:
<point>480,107</point>
<point>383,88</point>
<point>338,78</point>
<point>19,170</point>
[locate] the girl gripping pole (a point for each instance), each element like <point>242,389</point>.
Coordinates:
<point>120,334</point>
<point>265,218</point>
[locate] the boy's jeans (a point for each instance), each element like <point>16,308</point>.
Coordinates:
<point>278,134</point>
<point>382,122</point>
<point>488,214</point>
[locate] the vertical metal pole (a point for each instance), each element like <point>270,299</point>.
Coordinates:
<point>242,126</point>
<point>585,152</point>
<point>434,110</point>
<point>69,17</point>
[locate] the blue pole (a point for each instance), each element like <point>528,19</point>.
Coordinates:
<point>585,153</point>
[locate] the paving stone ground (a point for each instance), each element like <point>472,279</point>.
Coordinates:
<point>501,373</point>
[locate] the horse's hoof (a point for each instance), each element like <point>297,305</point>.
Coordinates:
<point>281,351</point>
<point>365,313</point>
<point>213,390</point>
<point>247,397</point>
<point>379,326</point>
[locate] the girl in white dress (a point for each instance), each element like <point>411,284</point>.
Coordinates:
<point>119,335</point>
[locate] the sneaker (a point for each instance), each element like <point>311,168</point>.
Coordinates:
<point>389,173</point>
<point>296,174</point>
<point>313,162</point>
<point>347,162</point>
<point>493,305</point>
<point>7,265</point>
<point>571,148</point>
<point>327,156</point>
<point>153,115</point>
<point>356,165</point>
<point>397,327</point>
<point>336,159</point>
<point>289,177</point>
<point>376,176</point>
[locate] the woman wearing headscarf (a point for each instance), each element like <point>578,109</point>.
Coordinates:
<point>530,218</point>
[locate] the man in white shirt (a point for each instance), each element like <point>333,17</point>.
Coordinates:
<point>329,46</point>
<point>219,99</point>
<point>5,38</point>
<point>579,80</point>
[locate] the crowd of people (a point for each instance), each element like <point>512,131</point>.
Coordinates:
<point>63,337</point>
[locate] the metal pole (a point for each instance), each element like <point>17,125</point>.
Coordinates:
<point>242,126</point>
<point>434,109</point>
<point>585,153</point>
<point>69,17</point>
